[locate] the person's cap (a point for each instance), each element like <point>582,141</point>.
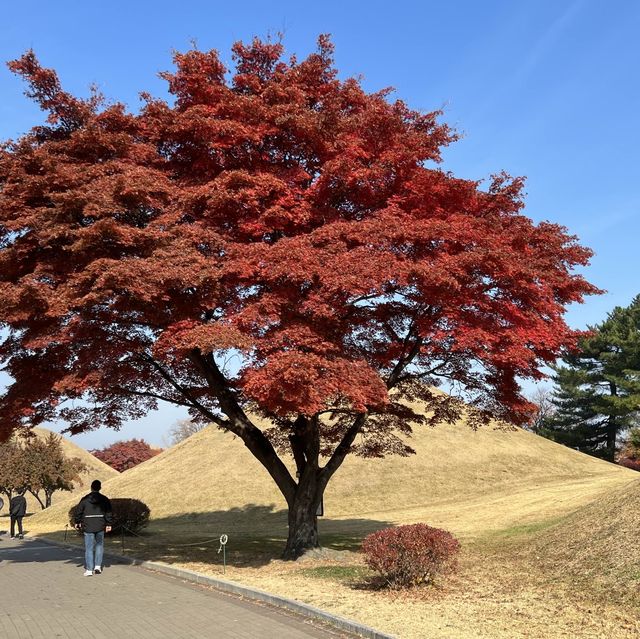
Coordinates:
<point>96,485</point>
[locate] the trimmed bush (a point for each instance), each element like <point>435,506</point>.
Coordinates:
<point>630,462</point>
<point>126,454</point>
<point>129,515</point>
<point>410,555</point>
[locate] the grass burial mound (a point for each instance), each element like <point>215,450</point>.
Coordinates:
<point>96,469</point>
<point>496,490</point>
<point>596,548</point>
<point>468,481</point>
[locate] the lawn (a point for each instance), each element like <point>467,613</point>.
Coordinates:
<point>548,534</point>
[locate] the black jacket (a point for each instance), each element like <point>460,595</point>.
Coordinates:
<point>18,506</point>
<point>94,512</point>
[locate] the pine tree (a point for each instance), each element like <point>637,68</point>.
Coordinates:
<point>598,388</point>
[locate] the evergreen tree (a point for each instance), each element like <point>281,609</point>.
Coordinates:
<point>597,395</point>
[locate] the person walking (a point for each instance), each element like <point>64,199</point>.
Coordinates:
<point>94,517</point>
<point>17,510</point>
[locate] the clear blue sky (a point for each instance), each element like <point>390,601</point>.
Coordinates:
<point>546,89</point>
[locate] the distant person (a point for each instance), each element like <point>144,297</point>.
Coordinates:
<point>17,510</point>
<point>94,517</point>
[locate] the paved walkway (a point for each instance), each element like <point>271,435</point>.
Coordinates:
<point>44,595</point>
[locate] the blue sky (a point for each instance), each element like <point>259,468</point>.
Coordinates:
<point>549,90</point>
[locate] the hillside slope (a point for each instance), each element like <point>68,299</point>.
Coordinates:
<point>597,546</point>
<point>469,481</point>
<point>96,469</point>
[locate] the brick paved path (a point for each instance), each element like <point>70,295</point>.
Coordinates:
<point>44,595</point>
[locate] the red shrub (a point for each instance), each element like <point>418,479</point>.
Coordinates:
<point>410,555</point>
<point>629,462</point>
<point>126,454</point>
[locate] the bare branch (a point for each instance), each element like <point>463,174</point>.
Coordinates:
<point>164,398</point>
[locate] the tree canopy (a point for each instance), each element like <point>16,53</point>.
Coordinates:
<point>597,394</point>
<point>38,465</point>
<point>126,454</point>
<point>12,470</point>
<point>283,219</point>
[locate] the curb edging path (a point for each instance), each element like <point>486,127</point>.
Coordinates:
<point>234,588</point>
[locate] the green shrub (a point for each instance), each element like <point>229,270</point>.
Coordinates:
<point>410,555</point>
<point>129,515</point>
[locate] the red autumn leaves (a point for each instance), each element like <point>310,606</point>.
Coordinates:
<point>280,216</point>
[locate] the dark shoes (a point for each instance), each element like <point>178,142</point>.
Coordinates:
<point>97,571</point>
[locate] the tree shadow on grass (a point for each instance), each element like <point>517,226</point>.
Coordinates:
<point>256,536</point>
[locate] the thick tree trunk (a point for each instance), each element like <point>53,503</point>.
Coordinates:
<point>303,531</point>
<point>312,481</point>
<point>303,520</point>
<point>303,496</point>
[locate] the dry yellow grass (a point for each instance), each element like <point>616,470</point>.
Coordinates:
<point>486,486</point>
<point>96,469</point>
<point>454,475</point>
<point>596,548</point>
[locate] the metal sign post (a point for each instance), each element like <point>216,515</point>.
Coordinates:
<point>223,546</point>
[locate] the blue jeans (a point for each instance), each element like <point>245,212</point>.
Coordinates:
<point>92,540</point>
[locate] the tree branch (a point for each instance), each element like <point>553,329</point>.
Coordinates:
<point>240,424</point>
<point>132,391</point>
<point>297,445</point>
<point>431,371</point>
<point>36,494</point>
<point>184,392</point>
<point>342,449</point>
<point>403,362</point>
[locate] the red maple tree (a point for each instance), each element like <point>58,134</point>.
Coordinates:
<point>126,454</point>
<point>284,216</point>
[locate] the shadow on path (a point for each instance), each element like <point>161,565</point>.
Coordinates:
<point>49,597</point>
